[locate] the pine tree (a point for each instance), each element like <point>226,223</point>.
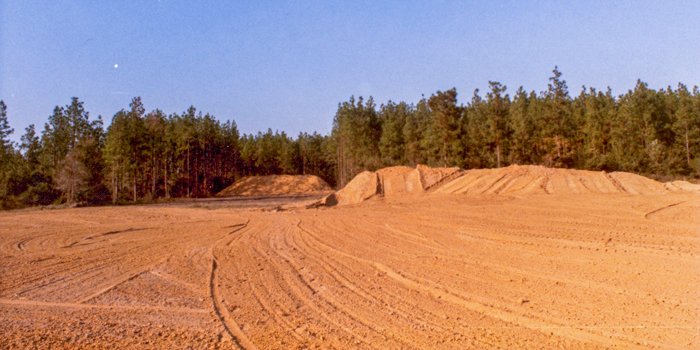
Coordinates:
<point>599,111</point>
<point>356,133</point>
<point>391,143</point>
<point>70,130</point>
<point>641,131</point>
<point>497,118</point>
<point>72,177</point>
<point>30,146</point>
<point>415,134</point>
<point>155,127</point>
<point>522,126</point>
<point>8,160</point>
<point>445,126</point>
<point>556,124</point>
<point>5,130</point>
<point>686,126</point>
<point>480,152</point>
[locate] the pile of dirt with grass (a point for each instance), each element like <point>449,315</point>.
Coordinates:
<point>276,185</point>
<point>402,181</point>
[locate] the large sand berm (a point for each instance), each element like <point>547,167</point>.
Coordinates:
<point>513,180</point>
<point>274,185</point>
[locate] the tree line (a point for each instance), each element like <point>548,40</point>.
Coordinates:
<point>649,132</point>
<point>145,156</point>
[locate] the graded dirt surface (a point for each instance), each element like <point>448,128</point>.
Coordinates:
<point>275,185</point>
<point>437,271</point>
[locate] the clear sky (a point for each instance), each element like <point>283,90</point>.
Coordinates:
<point>286,65</point>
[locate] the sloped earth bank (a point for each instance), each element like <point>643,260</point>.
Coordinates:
<point>398,181</point>
<point>275,185</point>
<point>441,271</point>
<point>514,180</point>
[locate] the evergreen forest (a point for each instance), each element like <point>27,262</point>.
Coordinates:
<point>144,156</point>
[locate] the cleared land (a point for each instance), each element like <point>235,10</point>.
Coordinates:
<point>276,185</point>
<point>447,269</point>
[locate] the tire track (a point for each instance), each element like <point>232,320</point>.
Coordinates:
<point>37,303</point>
<point>381,304</point>
<point>330,303</point>
<point>302,290</point>
<point>646,216</point>
<point>119,281</point>
<point>262,293</point>
<point>231,327</point>
<point>492,309</point>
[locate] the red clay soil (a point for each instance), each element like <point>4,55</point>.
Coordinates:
<point>484,264</point>
<point>513,180</point>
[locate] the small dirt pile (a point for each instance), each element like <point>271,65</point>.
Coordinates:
<point>681,185</point>
<point>390,182</point>
<point>275,185</point>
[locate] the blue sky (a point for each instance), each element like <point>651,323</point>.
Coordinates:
<point>286,65</point>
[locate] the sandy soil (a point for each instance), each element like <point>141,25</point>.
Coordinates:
<point>436,271</point>
<point>272,185</point>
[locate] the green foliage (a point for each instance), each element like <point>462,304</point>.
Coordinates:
<point>356,133</point>
<point>9,162</point>
<point>415,134</point>
<point>523,111</point>
<point>641,133</point>
<point>144,156</point>
<point>392,145</point>
<point>445,127</point>
<point>556,125</point>
<point>5,130</point>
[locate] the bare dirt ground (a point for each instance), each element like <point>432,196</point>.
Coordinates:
<point>276,185</point>
<point>437,271</point>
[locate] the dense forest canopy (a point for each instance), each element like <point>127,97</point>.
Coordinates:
<point>145,156</point>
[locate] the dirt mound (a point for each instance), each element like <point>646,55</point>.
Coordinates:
<point>682,186</point>
<point>531,179</point>
<point>390,182</point>
<point>361,188</point>
<point>272,185</point>
<point>401,181</point>
<point>432,177</point>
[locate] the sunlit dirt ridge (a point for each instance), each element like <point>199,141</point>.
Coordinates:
<point>513,180</point>
<point>421,258</point>
<point>272,185</point>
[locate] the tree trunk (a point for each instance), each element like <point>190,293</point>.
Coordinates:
<point>195,189</point>
<point>558,148</point>
<point>165,178</point>
<point>340,164</point>
<point>498,153</point>
<point>115,189</point>
<point>687,145</point>
<point>153,188</point>
<point>134,185</point>
<point>188,170</point>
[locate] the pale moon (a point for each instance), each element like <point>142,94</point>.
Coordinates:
<point>116,66</point>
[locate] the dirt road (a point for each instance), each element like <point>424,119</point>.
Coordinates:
<point>441,271</point>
